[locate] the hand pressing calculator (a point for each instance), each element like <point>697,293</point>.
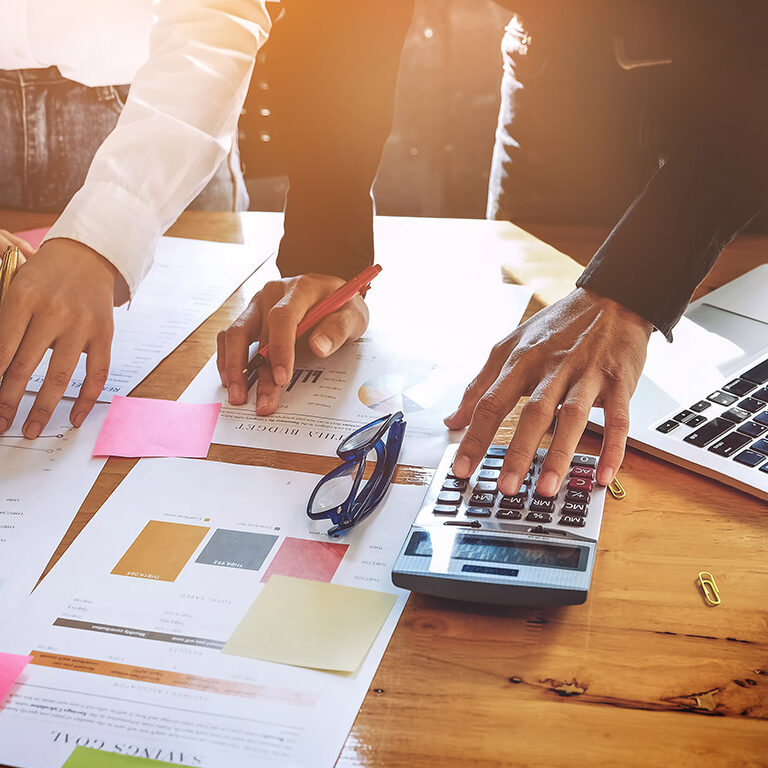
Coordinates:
<point>468,542</point>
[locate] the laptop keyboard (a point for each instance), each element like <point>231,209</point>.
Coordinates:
<point>740,432</point>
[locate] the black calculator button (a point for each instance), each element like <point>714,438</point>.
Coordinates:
<point>702,405</point>
<point>573,520</point>
<point>751,405</point>
<point>696,420</point>
<point>750,458</point>
<point>445,509</point>
<point>455,484</point>
<point>541,505</point>
<point>512,502</point>
<point>752,428</point>
<point>728,445</point>
<point>761,394</point>
<point>478,512</point>
<point>761,446</point>
<point>494,451</point>
<point>486,486</point>
<point>736,415</point>
<point>667,426</point>
<point>449,497</point>
<point>508,514</point>
<point>574,508</point>
<point>481,500</point>
<point>758,374</point>
<point>739,387</point>
<point>722,398</point>
<point>583,472</point>
<point>706,433</point>
<point>493,463</point>
<point>488,474</point>
<point>538,517</point>
<point>577,496</point>
<point>580,460</point>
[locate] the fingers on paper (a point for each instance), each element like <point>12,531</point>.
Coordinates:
<point>232,351</point>
<point>96,374</point>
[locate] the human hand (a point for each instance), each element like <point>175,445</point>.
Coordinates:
<point>8,238</point>
<point>584,350</point>
<point>62,298</point>
<point>272,317</point>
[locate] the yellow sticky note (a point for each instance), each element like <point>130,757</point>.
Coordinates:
<point>311,624</point>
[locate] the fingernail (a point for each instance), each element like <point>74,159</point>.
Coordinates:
<point>509,484</point>
<point>548,483</point>
<point>605,475</point>
<point>33,430</point>
<point>451,417</point>
<point>280,375</point>
<point>78,418</point>
<point>323,344</point>
<point>4,425</point>
<point>236,394</point>
<point>461,466</point>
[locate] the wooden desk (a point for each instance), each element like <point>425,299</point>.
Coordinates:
<point>643,674</point>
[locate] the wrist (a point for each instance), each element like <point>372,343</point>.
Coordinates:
<point>613,309</point>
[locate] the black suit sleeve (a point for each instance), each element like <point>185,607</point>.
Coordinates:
<point>708,189</point>
<point>338,63</point>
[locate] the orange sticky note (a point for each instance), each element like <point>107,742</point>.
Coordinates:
<point>11,666</point>
<point>138,427</point>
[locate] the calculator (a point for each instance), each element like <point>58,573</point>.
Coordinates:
<point>470,542</point>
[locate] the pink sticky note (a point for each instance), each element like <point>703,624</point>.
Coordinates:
<point>144,427</point>
<point>34,237</point>
<point>11,666</point>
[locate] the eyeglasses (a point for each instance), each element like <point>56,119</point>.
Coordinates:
<point>338,497</point>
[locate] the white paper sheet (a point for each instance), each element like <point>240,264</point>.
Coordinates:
<point>43,482</point>
<point>433,322</point>
<point>283,716</point>
<point>188,282</point>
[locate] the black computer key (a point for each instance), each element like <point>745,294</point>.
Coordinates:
<point>493,463</point>
<point>751,404</point>
<point>739,387</point>
<point>583,461</point>
<point>512,502</point>
<point>702,405</point>
<point>706,433</point>
<point>728,445</point>
<point>668,426</point>
<point>573,520</point>
<point>488,474</point>
<point>508,514</point>
<point>758,374</point>
<point>753,429</point>
<point>445,509</point>
<point>762,418</point>
<point>494,451</point>
<point>761,446</point>
<point>486,486</point>
<point>455,484</point>
<point>449,497</point>
<point>539,517</point>
<point>578,496</point>
<point>481,500</point>
<point>574,508</point>
<point>736,415</point>
<point>761,394</point>
<point>683,415</point>
<point>478,512</point>
<point>722,398</point>
<point>541,505</point>
<point>750,458</point>
<point>694,421</point>
<point>764,468</point>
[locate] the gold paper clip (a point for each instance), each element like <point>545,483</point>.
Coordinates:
<point>616,489</point>
<point>709,588</point>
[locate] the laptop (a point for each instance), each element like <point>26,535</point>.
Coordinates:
<point>702,401</point>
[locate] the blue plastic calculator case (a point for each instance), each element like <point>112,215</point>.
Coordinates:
<point>468,542</point>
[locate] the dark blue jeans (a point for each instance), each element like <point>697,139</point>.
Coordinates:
<point>50,129</point>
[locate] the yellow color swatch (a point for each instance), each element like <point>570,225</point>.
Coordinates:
<point>160,551</point>
<point>311,624</point>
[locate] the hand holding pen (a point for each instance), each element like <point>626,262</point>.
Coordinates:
<point>326,307</point>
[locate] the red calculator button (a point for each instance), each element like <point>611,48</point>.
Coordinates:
<point>579,484</point>
<point>582,472</point>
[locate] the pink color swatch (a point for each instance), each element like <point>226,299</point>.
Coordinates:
<point>34,237</point>
<point>144,427</point>
<point>11,666</point>
<point>306,559</point>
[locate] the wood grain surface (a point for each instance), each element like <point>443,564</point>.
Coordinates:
<point>643,674</point>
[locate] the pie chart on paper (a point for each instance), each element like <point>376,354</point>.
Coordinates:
<point>400,392</point>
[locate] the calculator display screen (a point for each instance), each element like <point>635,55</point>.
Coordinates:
<point>508,551</point>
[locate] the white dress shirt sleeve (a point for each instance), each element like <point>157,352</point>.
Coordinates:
<point>176,129</point>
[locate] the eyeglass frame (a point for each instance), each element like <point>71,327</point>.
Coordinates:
<point>358,506</point>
